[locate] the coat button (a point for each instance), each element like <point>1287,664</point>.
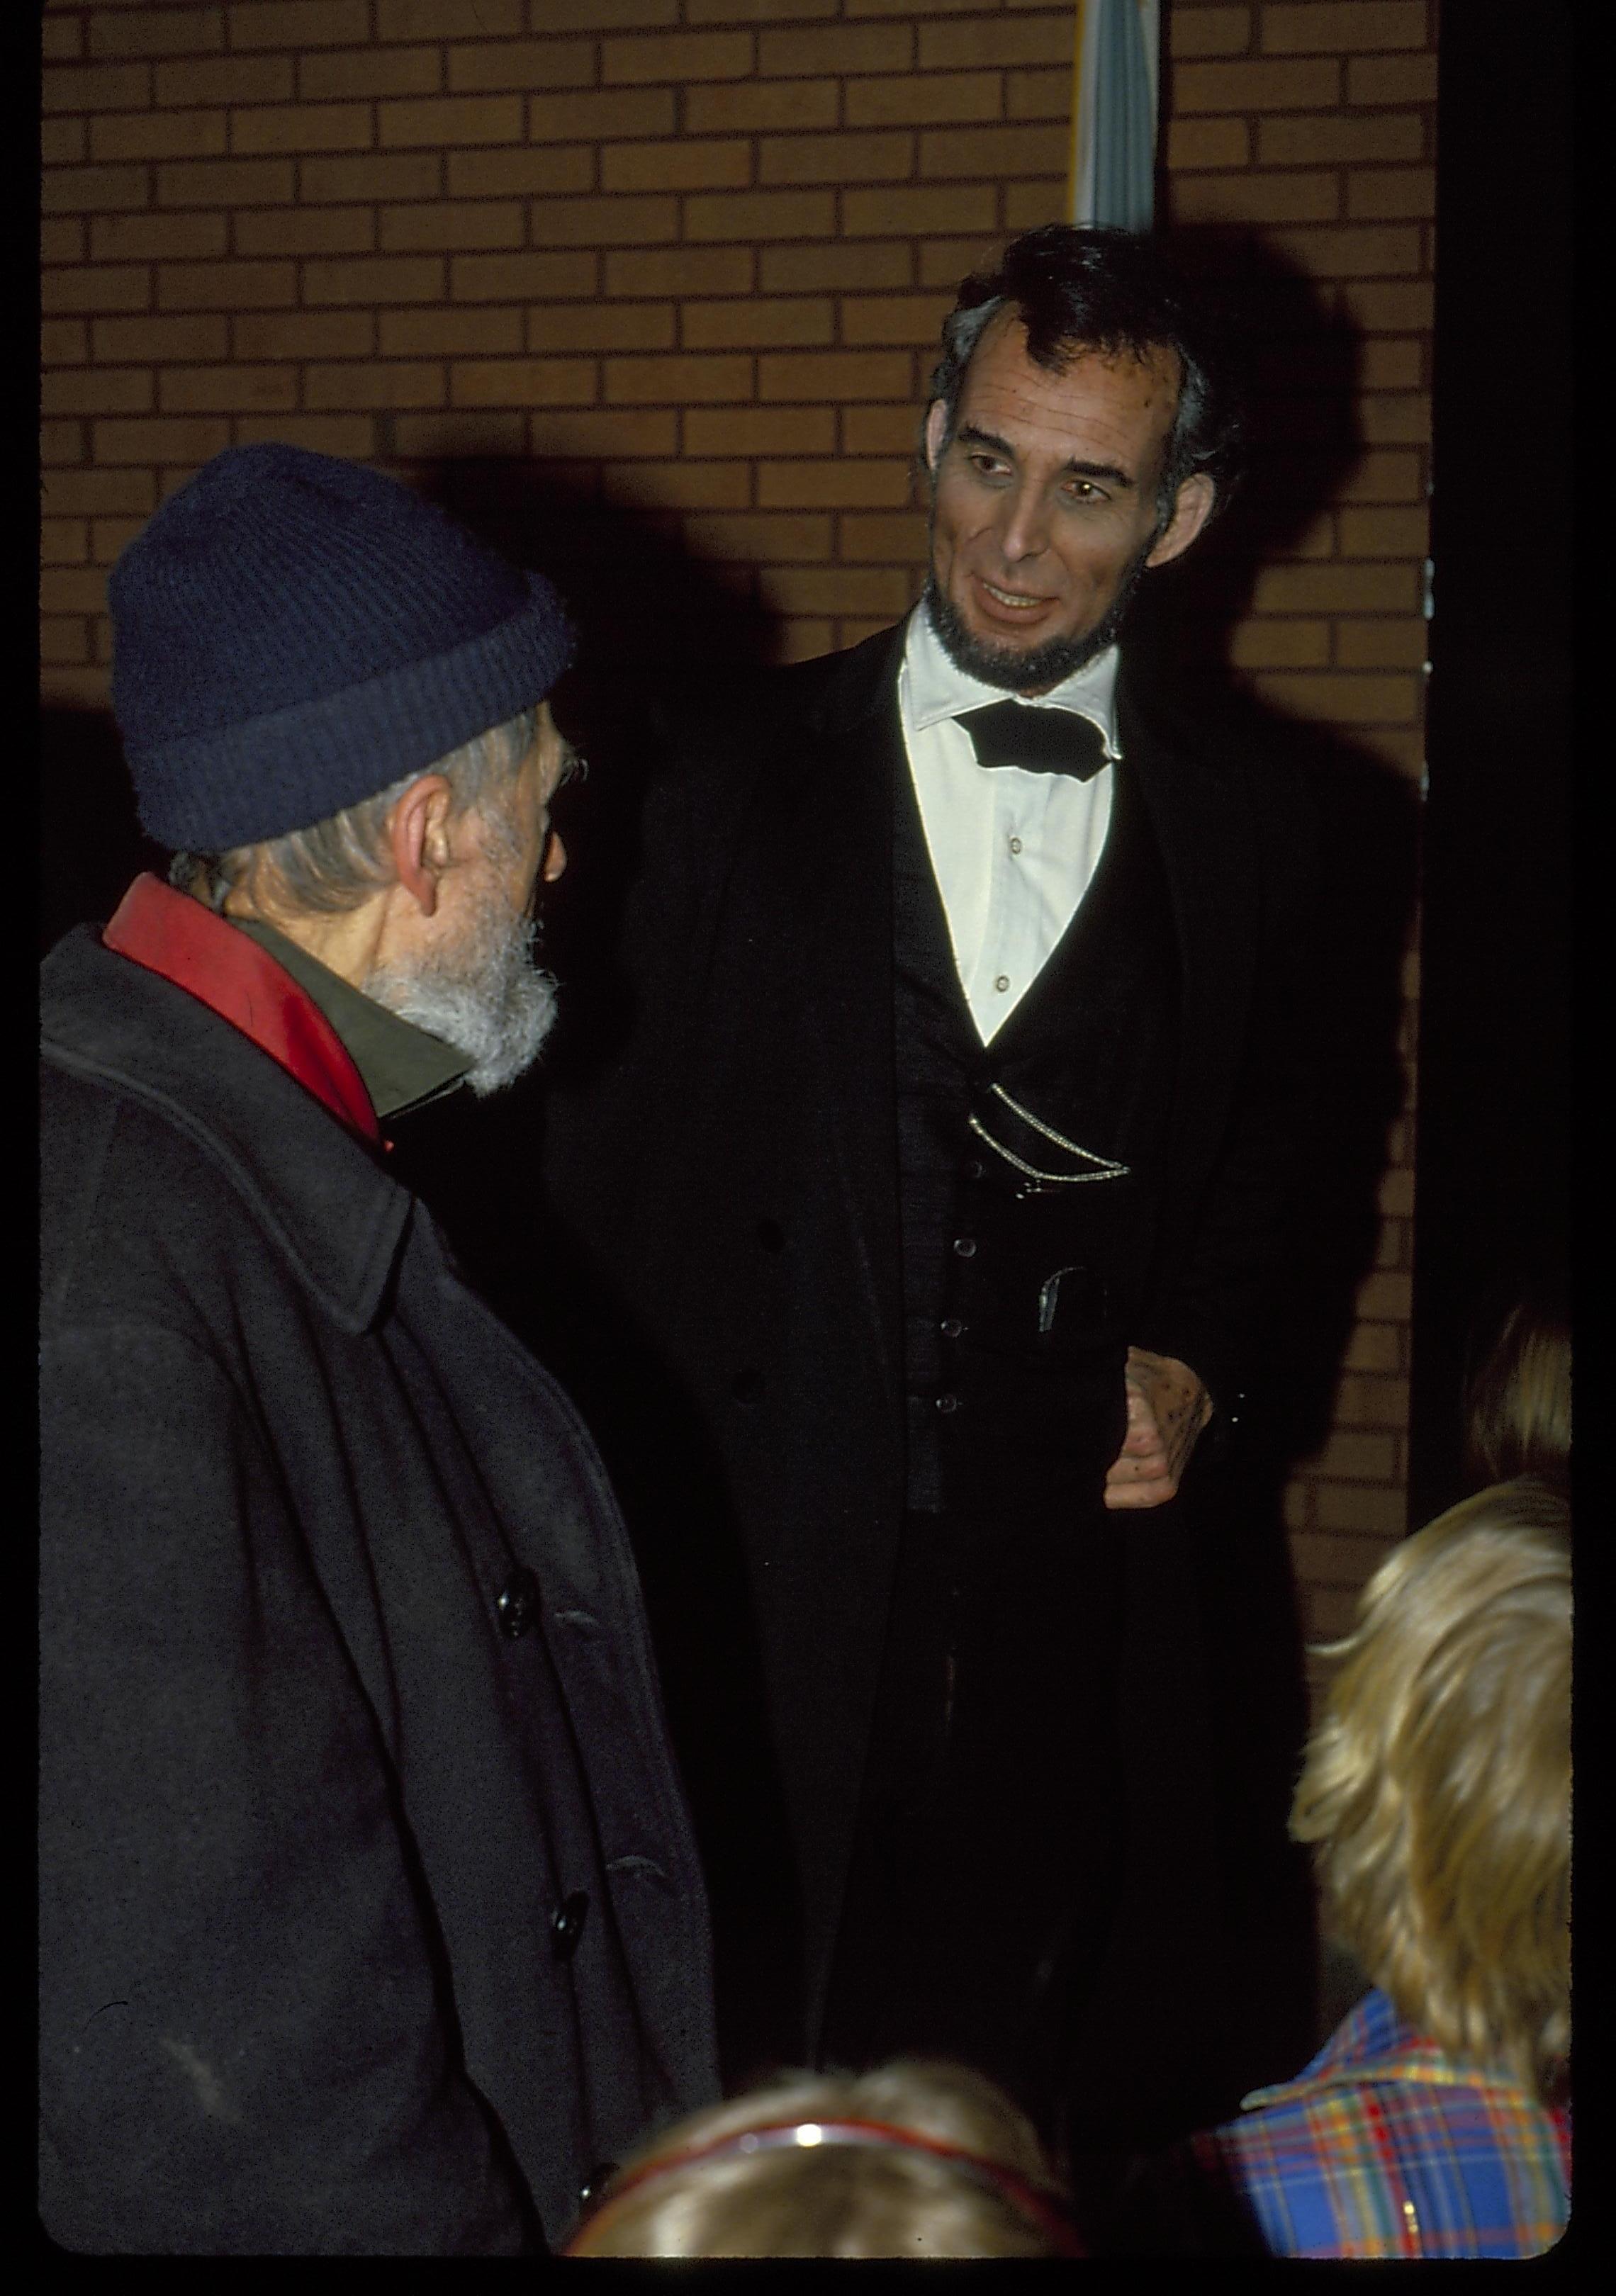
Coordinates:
<point>594,2183</point>
<point>567,1924</point>
<point>964,1247</point>
<point>947,1403</point>
<point>974,1167</point>
<point>517,1603</point>
<point>952,1326</point>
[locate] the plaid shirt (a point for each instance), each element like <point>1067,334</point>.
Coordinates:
<point>1385,2147</point>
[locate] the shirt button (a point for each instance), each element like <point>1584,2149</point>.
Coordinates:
<point>1001,982</point>
<point>1016,845</point>
<point>947,1403</point>
<point>517,1603</point>
<point>952,1326</point>
<point>964,1247</point>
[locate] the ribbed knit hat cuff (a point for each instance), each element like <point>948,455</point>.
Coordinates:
<point>269,776</point>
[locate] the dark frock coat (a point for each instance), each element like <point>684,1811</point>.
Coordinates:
<point>371,1918</point>
<point>732,1181</point>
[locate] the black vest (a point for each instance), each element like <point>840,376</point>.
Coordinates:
<point>1030,1177</point>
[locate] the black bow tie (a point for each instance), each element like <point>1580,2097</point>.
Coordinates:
<point>1039,740</point>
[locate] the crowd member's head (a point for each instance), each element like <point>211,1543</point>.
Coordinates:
<point>911,2160</point>
<point>1437,1789</point>
<point>1078,431</point>
<point>1518,1406</point>
<point>332,699</point>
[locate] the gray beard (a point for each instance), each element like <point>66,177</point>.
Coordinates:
<point>485,996</point>
<point>1038,669</point>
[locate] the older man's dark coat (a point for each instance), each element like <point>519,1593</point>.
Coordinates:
<point>371,1921</point>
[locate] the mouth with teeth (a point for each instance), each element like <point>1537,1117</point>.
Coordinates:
<point>1009,605</point>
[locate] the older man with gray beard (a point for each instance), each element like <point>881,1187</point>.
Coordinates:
<point>370,1918</point>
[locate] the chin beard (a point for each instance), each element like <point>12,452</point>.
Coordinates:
<point>485,996</point>
<point>1033,669</point>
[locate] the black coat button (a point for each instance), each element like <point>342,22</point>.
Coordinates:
<point>517,1602</point>
<point>952,1326</point>
<point>746,1386</point>
<point>974,1167</point>
<point>947,1403</point>
<point>567,1924</point>
<point>964,1247</point>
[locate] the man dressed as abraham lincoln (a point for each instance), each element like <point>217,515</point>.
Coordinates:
<point>939,1188</point>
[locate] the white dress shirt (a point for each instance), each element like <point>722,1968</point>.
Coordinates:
<point>1014,852</point>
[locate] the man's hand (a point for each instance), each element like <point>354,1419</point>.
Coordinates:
<point>1167,1409</point>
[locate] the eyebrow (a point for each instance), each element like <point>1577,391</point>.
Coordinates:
<point>973,434</point>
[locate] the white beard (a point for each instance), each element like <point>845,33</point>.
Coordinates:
<point>483,994</point>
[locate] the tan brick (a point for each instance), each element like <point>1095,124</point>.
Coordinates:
<point>225,79</point>
<point>1391,79</point>
<point>809,269</point>
<point>521,64</point>
<point>1280,645</point>
<point>449,19</point>
<point>1340,1563</point>
<point>945,262</point>
<point>448,438</point>
<point>202,337</point>
<point>1391,365</point>
<point>1375,192</point>
<point>97,87</point>
<point>90,494</point>
<point>592,115</point>
<point>77,190</point>
<point>907,102</point>
<point>676,56</point>
<point>1395,419</point>
<point>529,277</point>
<point>225,286</point>
<point>454,224</point>
<point>877,215</point>
<point>997,152</point>
<point>992,43</point>
<point>880,430</point>
<point>229,390</point>
<point>450,121</point>
<point>150,31</point>
<point>1361,1402</point>
<point>64,144</point>
<point>157,440</point>
<point>894,318</point>
<point>1038,96</point>
<point>520,173</point>
<point>1213,143</point>
<point>305,335</point>
<point>1383,478</point>
<point>1351,698</point>
<point>752,216</point>
<point>306,231</point>
<point>523,382</point>
<point>1375,1347</point>
<point>393,175</point>
<point>226,183</point>
<point>1381,646</point>
<point>60,443</point>
<point>1350,250</point>
<point>89,287</point>
<point>754,324</point>
<point>64,640</point>
<point>1385,533</point>
<point>157,134</point>
<point>1318,27</point>
<point>1392,307</point>
<point>1028,205</point>
<point>631,219</point>
<point>1256,86</point>
<point>133,237</point>
<point>761,430</point>
<point>837,376</point>
<point>370,72</point>
<point>801,638</point>
<point>756,12</point>
<point>839,50</point>
<point>375,279</point>
<point>833,590</point>
<point>96,390</point>
<point>299,24</point>
<point>361,386</point>
<point>602,15</point>
<point>353,436</point>
<point>66,343</point>
<point>110,537</point>
<point>61,39</point>
<point>680,486</point>
<point>763,104</point>
<point>685,165</point>
<point>750,538</point>
<point>621,432</point>
<point>1257,198</point>
<point>836,158</point>
<point>832,486</point>
<point>449,334</point>
<point>680,271</point>
<point>883,538</point>
<point>1342,1506</point>
<point>1334,141</point>
<point>1354,1457</point>
<point>595,327</point>
<point>73,590</point>
<point>1207,31</point>
<point>686,379</point>
<point>62,242</point>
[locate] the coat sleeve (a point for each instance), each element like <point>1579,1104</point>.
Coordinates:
<point>246,2041</point>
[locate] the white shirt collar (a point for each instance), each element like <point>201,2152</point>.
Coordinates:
<point>937,689</point>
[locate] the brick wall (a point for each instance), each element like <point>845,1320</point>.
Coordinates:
<point>690,257</point>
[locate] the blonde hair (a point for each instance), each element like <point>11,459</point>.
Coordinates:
<point>1518,1411</point>
<point>830,2199</point>
<point>1436,1788</point>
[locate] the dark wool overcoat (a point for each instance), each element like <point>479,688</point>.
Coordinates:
<point>733,1179</point>
<point>370,1917</point>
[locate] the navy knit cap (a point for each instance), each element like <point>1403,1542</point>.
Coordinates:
<point>292,632</point>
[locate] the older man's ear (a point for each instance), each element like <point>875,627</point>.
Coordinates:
<point>418,838</point>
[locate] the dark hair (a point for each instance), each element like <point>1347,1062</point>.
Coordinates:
<point>1109,291</point>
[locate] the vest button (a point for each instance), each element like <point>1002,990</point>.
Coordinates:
<point>952,1326</point>
<point>974,1167</point>
<point>964,1247</point>
<point>947,1403</point>
<point>516,1605</point>
<point>567,1924</point>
